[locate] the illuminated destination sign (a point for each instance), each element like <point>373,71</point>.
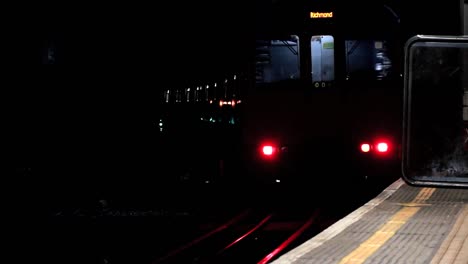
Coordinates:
<point>321,14</point>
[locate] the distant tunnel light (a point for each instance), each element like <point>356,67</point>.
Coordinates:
<point>382,147</point>
<point>365,147</point>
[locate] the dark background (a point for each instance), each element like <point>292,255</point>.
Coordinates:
<point>83,121</point>
<point>86,117</point>
<point>111,61</point>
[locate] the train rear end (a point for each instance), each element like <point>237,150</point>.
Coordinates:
<point>326,104</point>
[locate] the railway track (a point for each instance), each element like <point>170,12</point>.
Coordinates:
<point>254,227</point>
<point>256,236</point>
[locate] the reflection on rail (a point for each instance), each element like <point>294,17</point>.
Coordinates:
<point>246,238</point>
<point>248,233</point>
<point>292,238</point>
<point>203,237</point>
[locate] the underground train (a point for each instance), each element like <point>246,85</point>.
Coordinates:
<point>319,101</point>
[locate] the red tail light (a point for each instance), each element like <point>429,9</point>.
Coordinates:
<point>382,147</point>
<point>268,150</point>
<point>378,146</point>
<point>365,147</point>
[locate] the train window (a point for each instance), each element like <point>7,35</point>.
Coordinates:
<point>367,59</point>
<point>187,94</point>
<point>207,92</point>
<point>435,135</point>
<point>178,96</point>
<point>226,88</point>
<point>323,60</point>
<point>230,88</point>
<point>277,59</point>
<point>197,94</point>
<point>212,91</point>
<point>167,95</point>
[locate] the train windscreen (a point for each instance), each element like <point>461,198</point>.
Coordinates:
<point>368,59</point>
<point>277,59</point>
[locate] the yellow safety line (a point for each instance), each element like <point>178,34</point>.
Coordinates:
<point>372,244</point>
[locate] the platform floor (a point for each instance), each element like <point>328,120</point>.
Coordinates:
<point>403,224</point>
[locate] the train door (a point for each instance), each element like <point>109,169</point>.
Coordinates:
<point>322,60</point>
<point>435,134</point>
